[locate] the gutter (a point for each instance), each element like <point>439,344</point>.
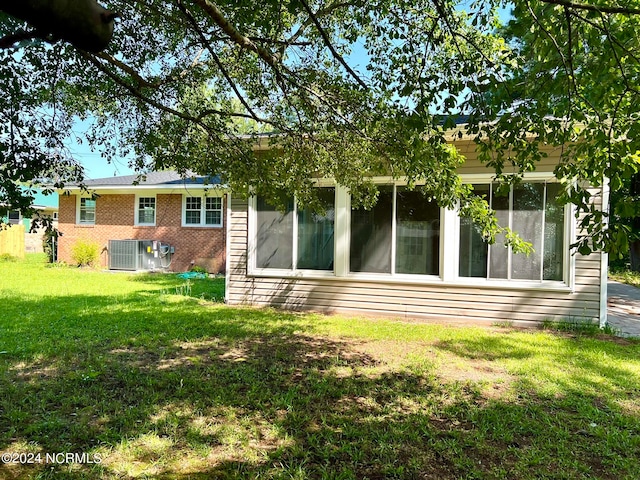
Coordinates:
<point>604,259</point>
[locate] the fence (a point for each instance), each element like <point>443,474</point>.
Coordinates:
<point>12,241</point>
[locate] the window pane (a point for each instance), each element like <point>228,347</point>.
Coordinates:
<point>526,217</point>
<point>213,218</point>
<point>315,234</point>
<point>194,203</point>
<point>87,210</point>
<point>192,217</point>
<point>192,214</point>
<point>213,214</point>
<point>370,249</point>
<point>473,249</point>
<point>553,235</point>
<point>528,200</point>
<point>274,239</point>
<point>146,210</point>
<point>214,203</point>
<point>417,233</point>
<point>498,253</point>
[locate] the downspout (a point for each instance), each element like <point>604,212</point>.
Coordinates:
<point>604,258</point>
<point>227,250</point>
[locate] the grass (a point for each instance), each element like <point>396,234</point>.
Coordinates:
<point>157,379</point>
<point>625,276</point>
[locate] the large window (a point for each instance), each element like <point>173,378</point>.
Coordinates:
<point>146,211</point>
<point>202,211</point>
<point>87,213</point>
<point>416,241</point>
<point>531,210</point>
<point>407,237</point>
<point>296,238</point>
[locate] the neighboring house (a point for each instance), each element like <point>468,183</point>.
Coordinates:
<point>46,205</point>
<point>409,258</point>
<point>162,222</point>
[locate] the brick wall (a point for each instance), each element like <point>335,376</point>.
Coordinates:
<point>115,215</point>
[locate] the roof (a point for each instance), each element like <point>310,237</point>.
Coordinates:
<point>163,178</point>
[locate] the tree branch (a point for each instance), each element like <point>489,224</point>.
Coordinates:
<point>319,14</point>
<point>9,40</point>
<point>327,42</point>
<point>218,62</point>
<point>139,95</point>
<point>83,23</point>
<point>243,41</point>
<point>594,8</point>
<point>127,69</point>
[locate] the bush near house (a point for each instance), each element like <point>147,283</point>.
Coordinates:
<point>85,253</point>
<point>157,380</point>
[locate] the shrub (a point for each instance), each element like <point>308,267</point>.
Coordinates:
<point>49,244</point>
<point>7,257</point>
<point>85,253</point>
<point>198,269</point>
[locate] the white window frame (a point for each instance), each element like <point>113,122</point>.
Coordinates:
<point>411,277</point>
<point>203,211</point>
<point>137,222</point>
<point>294,271</point>
<point>568,260</point>
<point>449,246</point>
<point>79,207</point>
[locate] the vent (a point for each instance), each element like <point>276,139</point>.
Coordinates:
<point>138,255</point>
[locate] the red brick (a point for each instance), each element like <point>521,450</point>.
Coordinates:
<point>115,215</point>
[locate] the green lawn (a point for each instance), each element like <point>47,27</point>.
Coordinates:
<point>626,276</point>
<point>154,377</point>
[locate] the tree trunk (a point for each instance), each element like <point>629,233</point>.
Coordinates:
<point>634,255</point>
<point>84,23</point>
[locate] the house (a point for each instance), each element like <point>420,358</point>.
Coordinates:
<point>157,221</point>
<point>46,206</point>
<point>409,258</point>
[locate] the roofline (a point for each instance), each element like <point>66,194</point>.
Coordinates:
<point>132,189</point>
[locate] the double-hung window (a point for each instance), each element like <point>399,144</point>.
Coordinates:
<point>202,211</point>
<point>87,211</point>
<point>296,238</point>
<point>531,209</point>
<point>399,235</point>
<point>146,211</point>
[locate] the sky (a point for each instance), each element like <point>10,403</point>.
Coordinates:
<point>95,165</point>
<point>98,167</point>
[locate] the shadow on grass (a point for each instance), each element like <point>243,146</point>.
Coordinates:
<point>170,389</point>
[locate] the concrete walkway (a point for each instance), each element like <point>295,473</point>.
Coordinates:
<point>623,308</point>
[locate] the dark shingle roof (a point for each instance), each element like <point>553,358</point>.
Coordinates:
<point>153,178</point>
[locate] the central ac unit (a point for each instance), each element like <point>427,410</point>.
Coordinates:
<point>138,255</point>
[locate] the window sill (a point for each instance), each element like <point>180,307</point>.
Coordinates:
<point>551,286</point>
<point>201,226</point>
<point>85,225</point>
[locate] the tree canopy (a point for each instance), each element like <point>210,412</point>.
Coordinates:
<point>347,89</point>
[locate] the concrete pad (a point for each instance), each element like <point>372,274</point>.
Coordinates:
<point>623,308</point>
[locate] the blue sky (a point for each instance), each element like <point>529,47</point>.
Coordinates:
<point>98,167</point>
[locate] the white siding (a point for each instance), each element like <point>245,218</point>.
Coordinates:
<point>392,298</point>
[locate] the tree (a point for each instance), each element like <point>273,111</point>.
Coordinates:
<point>349,89</point>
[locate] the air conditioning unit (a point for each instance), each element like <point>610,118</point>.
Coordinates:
<point>139,255</point>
